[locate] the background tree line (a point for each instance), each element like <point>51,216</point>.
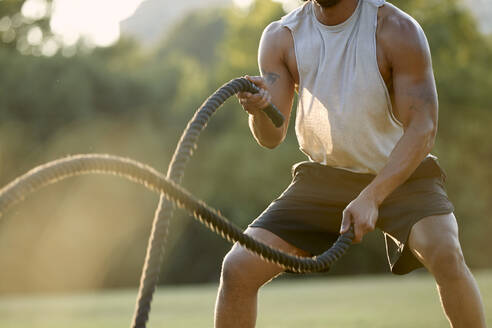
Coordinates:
<point>128,100</point>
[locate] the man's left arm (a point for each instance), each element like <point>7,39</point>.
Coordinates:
<point>415,100</point>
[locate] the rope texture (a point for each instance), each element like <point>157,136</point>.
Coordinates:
<point>164,212</point>
<point>58,170</point>
<point>171,194</point>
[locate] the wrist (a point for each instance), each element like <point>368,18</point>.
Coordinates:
<point>373,195</point>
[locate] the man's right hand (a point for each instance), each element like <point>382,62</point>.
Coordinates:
<point>254,103</point>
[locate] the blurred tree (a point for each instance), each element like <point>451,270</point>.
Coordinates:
<point>134,101</point>
<point>24,25</point>
<point>48,92</point>
<point>461,56</point>
<point>459,51</point>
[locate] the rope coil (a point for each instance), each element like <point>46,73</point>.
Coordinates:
<point>172,193</point>
<point>71,166</point>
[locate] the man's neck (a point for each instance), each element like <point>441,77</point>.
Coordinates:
<point>337,14</point>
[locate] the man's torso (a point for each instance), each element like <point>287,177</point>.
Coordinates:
<point>343,76</point>
<point>385,12</point>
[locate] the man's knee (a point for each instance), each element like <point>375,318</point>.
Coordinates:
<point>434,241</point>
<point>233,270</point>
<point>446,261</point>
<point>244,271</point>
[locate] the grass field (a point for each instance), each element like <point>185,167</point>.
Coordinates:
<point>376,302</point>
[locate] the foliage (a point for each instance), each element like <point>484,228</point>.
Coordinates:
<point>26,33</point>
<point>131,101</point>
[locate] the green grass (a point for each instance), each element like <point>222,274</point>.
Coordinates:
<point>376,302</point>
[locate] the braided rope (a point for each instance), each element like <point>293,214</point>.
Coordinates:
<point>164,212</point>
<point>172,194</point>
<point>61,169</point>
<point>186,145</point>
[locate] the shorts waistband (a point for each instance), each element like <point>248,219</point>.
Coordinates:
<point>428,168</point>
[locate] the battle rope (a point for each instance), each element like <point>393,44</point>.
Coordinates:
<point>61,169</point>
<point>92,163</point>
<point>164,212</point>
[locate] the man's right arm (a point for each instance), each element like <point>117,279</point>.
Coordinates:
<point>276,83</point>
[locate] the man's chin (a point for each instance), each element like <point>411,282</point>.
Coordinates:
<point>328,3</point>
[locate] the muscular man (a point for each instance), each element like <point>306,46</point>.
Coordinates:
<point>367,120</point>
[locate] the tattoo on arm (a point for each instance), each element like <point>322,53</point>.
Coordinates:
<point>424,96</point>
<point>271,77</point>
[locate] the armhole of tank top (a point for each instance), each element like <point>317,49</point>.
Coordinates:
<point>383,84</point>
<point>297,58</point>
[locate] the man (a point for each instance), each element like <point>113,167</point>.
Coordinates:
<point>367,120</point>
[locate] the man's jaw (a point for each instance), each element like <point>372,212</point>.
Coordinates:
<point>328,3</point>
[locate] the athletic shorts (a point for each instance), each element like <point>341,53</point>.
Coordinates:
<point>308,213</point>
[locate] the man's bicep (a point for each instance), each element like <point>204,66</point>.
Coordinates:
<point>415,94</point>
<point>273,68</point>
<point>415,100</point>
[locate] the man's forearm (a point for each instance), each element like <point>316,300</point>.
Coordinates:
<point>413,147</point>
<point>263,130</point>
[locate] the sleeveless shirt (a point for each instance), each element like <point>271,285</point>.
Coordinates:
<point>344,117</point>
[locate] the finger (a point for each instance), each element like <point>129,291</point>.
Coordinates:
<point>257,80</point>
<point>265,95</point>
<point>255,98</point>
<point>243,94</point>
<point>359,233</point>
<point>263,101</point>
<point>262,94</point>
<point>267,98</point>
<point>253,103</point>
<point>346,221</point>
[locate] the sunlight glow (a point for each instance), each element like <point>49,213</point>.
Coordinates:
<point>287,5</point>
<point>97,21</point>
<point>34,9</point>
<point>35,36</point>
<point>243,4</point>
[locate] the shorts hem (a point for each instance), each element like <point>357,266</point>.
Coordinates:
<point>411,262</point>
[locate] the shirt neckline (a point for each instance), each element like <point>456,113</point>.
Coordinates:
<point>342,25</point>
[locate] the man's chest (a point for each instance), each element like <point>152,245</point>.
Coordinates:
<point>383,64</point>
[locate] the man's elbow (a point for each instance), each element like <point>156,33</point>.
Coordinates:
<point>428,132</point>
<point>424,130</point>
<point>270,144</point>
<point>270,140</point>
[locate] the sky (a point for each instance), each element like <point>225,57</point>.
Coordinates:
<point>97,20</point>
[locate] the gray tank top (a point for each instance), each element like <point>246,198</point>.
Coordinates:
<point>344,115</point>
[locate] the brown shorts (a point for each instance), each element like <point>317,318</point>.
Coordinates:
<point>308,213</point>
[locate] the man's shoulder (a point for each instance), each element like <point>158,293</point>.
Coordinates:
<point>290,21</point>
<point>398,32</point>
<point>396,24</point>
<point>277,35</point>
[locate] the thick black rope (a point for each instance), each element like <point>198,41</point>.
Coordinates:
<point>61,169</point>
<point>82,164</point>
<point>187,144</point>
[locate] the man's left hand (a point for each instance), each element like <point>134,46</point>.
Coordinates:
<point>363,213</point>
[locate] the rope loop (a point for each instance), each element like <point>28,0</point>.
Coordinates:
<point>172,193</point>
